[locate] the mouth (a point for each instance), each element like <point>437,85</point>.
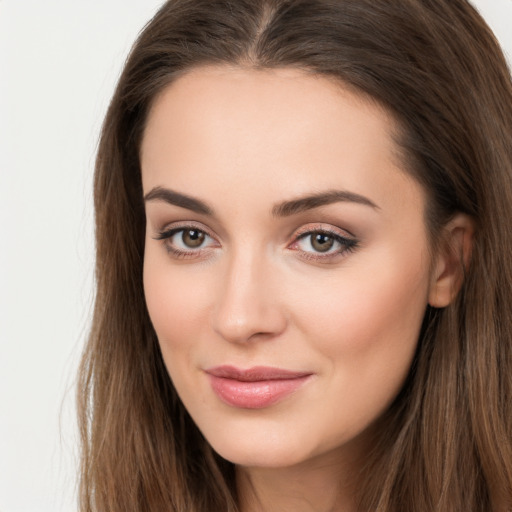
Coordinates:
<point>254,388</point>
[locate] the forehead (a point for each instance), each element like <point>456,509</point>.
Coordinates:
<point>268,133</point>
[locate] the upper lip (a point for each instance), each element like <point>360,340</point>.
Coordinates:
<point>255,374</point>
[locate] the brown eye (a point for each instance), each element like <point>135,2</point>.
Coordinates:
<point>321,242</point>
<point>187,242</point>
<point>193,238</point>
<point>323,245</point>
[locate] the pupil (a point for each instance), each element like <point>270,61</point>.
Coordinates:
<point>322,242</point>
<point>193,238</point>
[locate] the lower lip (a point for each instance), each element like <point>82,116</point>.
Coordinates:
<point>256,394</point>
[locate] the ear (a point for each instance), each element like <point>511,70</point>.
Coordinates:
<point>451,261</point>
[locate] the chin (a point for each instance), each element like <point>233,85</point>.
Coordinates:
<point>258,447</point>
<point>275,443</point>
<point>269,448</point>
<point>261,456</point>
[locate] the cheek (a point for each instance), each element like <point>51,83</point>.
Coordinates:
<point>371,301</point>
<point>176,301</point>
<point>368,328</point>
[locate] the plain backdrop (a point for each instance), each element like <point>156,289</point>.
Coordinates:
<point>59,61</point>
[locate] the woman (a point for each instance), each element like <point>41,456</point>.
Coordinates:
<point>303,262</point>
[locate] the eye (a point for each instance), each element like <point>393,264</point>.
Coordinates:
<point>190,238</point>
<point>185,241</point>
<point>322,244</point>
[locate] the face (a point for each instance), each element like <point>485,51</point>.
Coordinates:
<point>286,265</point>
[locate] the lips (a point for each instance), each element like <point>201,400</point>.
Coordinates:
<point>254,388</point>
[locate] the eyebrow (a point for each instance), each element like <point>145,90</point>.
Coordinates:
<point>284,209</point>
<point>178,199</point>
<point>310,202</point>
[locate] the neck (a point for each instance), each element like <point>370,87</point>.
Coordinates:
<point>324,484</point>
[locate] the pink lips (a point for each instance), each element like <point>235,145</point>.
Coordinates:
<point>255,388</point>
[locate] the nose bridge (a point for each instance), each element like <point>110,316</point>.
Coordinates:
<point>247,305</point>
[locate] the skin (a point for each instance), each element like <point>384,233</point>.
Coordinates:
<point>256,294</point>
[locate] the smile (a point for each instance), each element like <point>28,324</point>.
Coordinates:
<point>255,388</point>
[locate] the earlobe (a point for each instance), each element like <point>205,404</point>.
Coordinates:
<point>452,260</point>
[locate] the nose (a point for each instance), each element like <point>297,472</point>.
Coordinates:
<point>247,306</point>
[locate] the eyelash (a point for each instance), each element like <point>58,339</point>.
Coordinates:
<point>346,244</point>
<point>167,234</point>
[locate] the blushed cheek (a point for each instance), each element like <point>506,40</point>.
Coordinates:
<point>371,313</point>
<point>173,312</point>
<point>173,303</point>
<point>371,343</point>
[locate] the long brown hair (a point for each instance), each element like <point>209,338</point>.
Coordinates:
<point>446,442</point>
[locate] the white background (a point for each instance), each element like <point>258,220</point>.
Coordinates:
<point>59,60</point>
